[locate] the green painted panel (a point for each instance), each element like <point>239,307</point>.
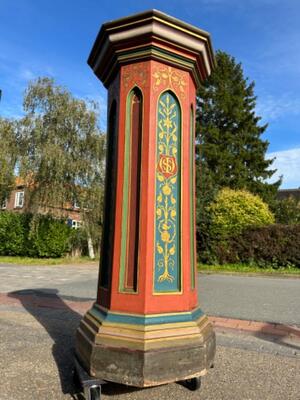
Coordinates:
<point>167,270</point>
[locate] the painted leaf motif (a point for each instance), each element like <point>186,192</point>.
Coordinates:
<point>160,177</point>
<point>159,249</point>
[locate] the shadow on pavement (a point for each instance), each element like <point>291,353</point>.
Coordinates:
<point>60,322</point>
<point>280,335</point>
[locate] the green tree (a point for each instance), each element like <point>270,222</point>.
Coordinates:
<point>206,193</point>
<point>229,133</point>
<point>8,157</point>
<point>62,154</point>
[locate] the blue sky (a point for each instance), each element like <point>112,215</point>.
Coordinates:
<point>53,38</point>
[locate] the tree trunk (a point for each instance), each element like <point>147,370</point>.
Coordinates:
<point>90,247</point>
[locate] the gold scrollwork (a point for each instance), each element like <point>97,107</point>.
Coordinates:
<point>167,76</point>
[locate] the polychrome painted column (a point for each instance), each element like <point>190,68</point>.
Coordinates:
<point>146,327</point>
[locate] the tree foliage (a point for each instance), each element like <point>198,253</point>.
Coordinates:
<point>287,211</point>
<point>8,157</point>
<point>62,153</point>
<point>229,133</point>
<point>206,193</point>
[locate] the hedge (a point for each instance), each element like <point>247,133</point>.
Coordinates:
<point>50,237</point>
<point>14,232</point>
<point>275,245</point>
<point>39,236</point>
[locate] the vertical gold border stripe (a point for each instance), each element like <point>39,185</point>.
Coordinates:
<point>192,198</point>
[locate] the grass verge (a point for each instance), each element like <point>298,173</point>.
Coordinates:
<point>45,261</point>
<point>247,269</point>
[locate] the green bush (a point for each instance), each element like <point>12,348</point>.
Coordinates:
<point>14,230</point>
<point>38,236</point>
<point>275,245</point>
<point>235,210</point>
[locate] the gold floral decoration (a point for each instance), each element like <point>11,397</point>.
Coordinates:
<point>169,77</point>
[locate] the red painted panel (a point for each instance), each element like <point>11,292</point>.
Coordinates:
<point>152,78</point>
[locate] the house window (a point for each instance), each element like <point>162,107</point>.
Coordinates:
<point>76,224</point>
<point>19,200</point>
<point>4,204</point>
<point>76,204</point>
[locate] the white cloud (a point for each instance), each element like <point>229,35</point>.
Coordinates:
<point>26,74</point>
<point>271,108</point>
<point>287,163</point>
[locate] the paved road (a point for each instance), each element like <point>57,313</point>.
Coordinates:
<point>264,299</point>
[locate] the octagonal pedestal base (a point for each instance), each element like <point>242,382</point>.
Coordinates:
<point>145,354</point>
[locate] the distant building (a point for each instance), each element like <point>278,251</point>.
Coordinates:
<point>17,202</point>
<point>283,194</point>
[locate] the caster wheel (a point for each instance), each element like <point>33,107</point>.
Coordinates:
<point>95,393</point>
<point>193,383</point>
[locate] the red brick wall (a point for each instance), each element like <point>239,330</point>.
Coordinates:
<point>68,212</point>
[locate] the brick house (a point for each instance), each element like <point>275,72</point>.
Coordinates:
<point>17,203</point>
<point>283,194</point>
